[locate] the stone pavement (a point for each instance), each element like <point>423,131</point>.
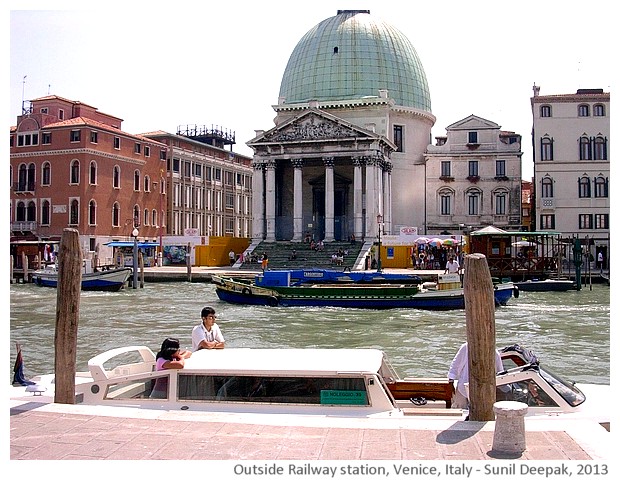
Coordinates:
<point>76,432</point>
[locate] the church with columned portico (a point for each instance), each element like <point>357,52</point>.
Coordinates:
<point>346,155</point>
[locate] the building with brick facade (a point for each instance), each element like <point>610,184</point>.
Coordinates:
<point>72,166</point>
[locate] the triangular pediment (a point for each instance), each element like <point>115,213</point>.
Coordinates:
<point>312,125</point>
<point>473,122</point>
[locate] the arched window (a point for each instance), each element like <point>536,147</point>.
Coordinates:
<point>585,151</point>
<point>20,212</point>
<point>45,212</point>
<point>598,110</point>
<point>74,212</point>
<point>546,185</point>
<point>22,178</point>
<point>116,215</point>
<point>31,212</point>
<point>31,177</point>
<point>474,197</point>
<point>146,217</point>
<point>446,197</point>
<point>501,202</point>
<point>600,148</point>
<point>92,213</point>
<point>147,183</point>
<point>154,219</point>
<point>545,111</point>
<point>546,149</point>
<point>136,216</point>
<point>46,174</point>
<point>136,180</point>
<point>584,187</point>
<point>601,189</point>
<point>583,110</point>
<point>92,174</point>
<point>116,177</point>
<point>75,172</point>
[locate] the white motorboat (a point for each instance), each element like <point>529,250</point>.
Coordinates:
<point>333,382</point>
<point>107,278</point>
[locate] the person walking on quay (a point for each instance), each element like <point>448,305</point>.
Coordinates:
<point>170,356</point>
<point>232,257</point>
<point>459,371</point>
<point>207,334</point>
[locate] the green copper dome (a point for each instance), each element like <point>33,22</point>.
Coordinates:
<point>354,55</point>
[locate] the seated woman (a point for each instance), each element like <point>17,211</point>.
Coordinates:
<point>169,356</point>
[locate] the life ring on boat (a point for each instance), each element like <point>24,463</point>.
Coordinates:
<point>515,291</point>
<point>272,301</point>
<point>246,291</point>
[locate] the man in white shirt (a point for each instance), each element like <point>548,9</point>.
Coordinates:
<point>459,371</point>
<point>452,266</point>
<point>208,333</point>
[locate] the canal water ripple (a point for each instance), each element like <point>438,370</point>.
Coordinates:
<point>570,331</point>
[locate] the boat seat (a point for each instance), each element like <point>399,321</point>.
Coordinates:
<point>424,389</point>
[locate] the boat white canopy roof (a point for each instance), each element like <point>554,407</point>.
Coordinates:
<point>281,361</point>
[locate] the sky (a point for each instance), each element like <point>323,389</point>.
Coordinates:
<point>158,65</point>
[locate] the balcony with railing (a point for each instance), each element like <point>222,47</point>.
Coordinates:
<point>24,226</point>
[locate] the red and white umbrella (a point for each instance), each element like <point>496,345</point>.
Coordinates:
<point>422,240</point>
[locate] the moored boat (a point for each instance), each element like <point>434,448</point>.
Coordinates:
<point>317,275</point>
<point>547,285</point>
<point>109,279</point>
<point>321,382</point>
<point>274,289</point>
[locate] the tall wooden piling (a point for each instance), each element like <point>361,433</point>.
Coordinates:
<point>25,266</point>
<point>480,322</point>
<point>67,315</point>
<point>188,261</point>
<point>141,266</point>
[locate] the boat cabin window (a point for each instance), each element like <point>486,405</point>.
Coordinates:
<point>525,391</point>
<point>310,390</point>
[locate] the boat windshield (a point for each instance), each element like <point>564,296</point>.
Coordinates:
<point>567,390</point>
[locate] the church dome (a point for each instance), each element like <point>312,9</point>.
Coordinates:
<point>354,55</point>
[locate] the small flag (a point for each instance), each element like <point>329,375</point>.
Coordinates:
<point>18,369</point>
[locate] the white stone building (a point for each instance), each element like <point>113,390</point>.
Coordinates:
<point>473,178</point>
<point>572,164</point>
<point>353,121</point>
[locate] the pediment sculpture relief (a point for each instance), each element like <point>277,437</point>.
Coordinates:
<point>310,129</point>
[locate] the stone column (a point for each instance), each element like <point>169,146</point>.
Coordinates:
<point>358,219</point>
<point>329,198</point>
<point>387,198</point>
<point>258,202</point>
<point>371,198</point>
<point>297,200</point>
<point>270,201</point>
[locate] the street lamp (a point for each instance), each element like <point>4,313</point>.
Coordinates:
<point>134,234</point>
<point>380,224</point>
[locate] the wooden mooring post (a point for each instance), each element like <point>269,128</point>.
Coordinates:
<point>188,261</point>
<point>67,315</point>
<point>480,325</point>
